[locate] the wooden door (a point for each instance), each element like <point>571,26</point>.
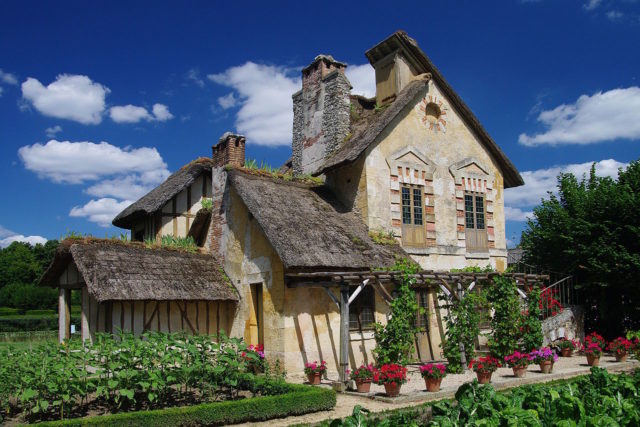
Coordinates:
<point>255,315</point>
<point>475,227</point>
<point>424,350</point>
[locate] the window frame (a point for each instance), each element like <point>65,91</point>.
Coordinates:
<point>365,300</point>
<point>478,217</point>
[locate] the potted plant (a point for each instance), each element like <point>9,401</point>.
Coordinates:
<point>620,347</point>
<point>566,347</point>
<point>518,362</point>
<point>545,357</point>
<point>593,352</point>
<point>314,371</point>
<point>433,375</point>
<point>484,367</point>
<point>391,376</point>
<point>595,338</point>
<point>363,377</point>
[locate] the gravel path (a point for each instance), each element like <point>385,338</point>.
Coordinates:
<point>413,392</point>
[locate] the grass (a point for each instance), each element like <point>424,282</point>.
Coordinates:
<point>26,340</point>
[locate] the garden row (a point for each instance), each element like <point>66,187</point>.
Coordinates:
<point>126,373</point>
<point>599,399</point>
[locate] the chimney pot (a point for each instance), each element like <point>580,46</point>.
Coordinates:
<point>230,150</point>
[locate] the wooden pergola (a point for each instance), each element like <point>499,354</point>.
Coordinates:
<point>454,285</point>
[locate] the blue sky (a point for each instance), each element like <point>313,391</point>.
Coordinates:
<point>100,101</point>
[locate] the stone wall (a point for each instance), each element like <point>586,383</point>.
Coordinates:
<point>567,324</point>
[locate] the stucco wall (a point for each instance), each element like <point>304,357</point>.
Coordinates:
<point>185,205</point>
<point>458,160</point>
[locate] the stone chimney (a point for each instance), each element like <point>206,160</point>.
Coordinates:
<point>320,113</point>
<point>396,64</point>
<point>229,150</point>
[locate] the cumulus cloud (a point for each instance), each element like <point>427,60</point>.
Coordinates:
<point>52,131</point>
<point>603,116</point>
<point>134,114</point>
<point>131,187</point>
<point>101,211</point>
<point>71,97</point>
<point>193,75</point>
<point>264,96</point>
<point>592,4</point>
<point>363,79</point>
<point>614,15</point>
<point>516,214</point>
<point>8,78</point>
<point>76,162</point>
<point>7,237</point>
<point>538,183</point>
<point>228,101</point>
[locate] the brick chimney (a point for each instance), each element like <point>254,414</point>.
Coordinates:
<point>229,150</point>
<point>320,113</point>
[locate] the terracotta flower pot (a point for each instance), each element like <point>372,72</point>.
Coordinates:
<point>433,384</point>
<point>314,378</point>
<point>566,352</point>
<point>519,371</point>
<point>392,389</point>
<point>546,367</point>
<point>621,357</point>
<point>363,386</point>
<point>593,360</point>
<point>484,377</point>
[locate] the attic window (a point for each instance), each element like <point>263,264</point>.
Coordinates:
<point>433,112</point>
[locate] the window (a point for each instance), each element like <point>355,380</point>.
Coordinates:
<point>422,319</point>
<point>362,309</point>
<point>474,220</point>
<point>412,216</point>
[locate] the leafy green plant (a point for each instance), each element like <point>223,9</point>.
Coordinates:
<point>383,237</point>
<point>462,321</point>
<point>207,203</point>
<point>395,340</point>
<point>502,294</point>
<point>530,323</point>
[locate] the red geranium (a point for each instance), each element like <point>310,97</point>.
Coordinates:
<point>485,364</point>
<point>431,370</point>
<point>390,373</point>
<point>620,346</point>
<point>595,338</point>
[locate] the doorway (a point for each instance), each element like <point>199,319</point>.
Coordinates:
<point>256,329</point>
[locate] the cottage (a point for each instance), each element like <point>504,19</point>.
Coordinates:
<point>413,164</point>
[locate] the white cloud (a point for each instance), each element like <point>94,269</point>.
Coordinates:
<point>604,116</point>
<point>128,114</point>
<point>33,240</point>
<point>161,113</point>
<point>130,187</point>
<point>614,15</point>
<point>264,95</point>
<point>76,162</point>
<point>4,232</point>
<point>363,79</point>
<point>228,101</point>
<point>538,183</point>
<point>101,211</point>
<point>592,4</point>
<point>134,114</point>
<point>194,75</point>
<point>1,90</point>
<point>516,214</point>
<point>52,131</point>
<point>8,78</point>
<point>71,97</point>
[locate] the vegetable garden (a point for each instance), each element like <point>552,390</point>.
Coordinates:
<point>126,373</point>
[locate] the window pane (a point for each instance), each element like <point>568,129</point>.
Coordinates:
<point>417,206</point>
<point>468,211</point>
<point>406,206</point>
<point>353,320</point>
<point>480,212</point>
<point>362,309</point>
<point>366,317</point>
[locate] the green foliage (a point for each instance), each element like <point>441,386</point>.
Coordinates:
<point>502,294</point>
<point>207,203</point>
<point>461,322</point>
<point>181,243</point>
<point>28,297</point>
<point>395,340</point>
<point>128,373</point>
<point>592,231</point>
<point>530,323</point>
<point>297,400</point>
<point>383,237</point>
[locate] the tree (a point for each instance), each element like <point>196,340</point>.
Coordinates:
<point>592,231</point>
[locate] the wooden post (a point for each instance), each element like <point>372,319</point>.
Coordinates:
<point>86,312</point>
<point>64,320</point>
<point>463,355</point>
<point>344,333</point>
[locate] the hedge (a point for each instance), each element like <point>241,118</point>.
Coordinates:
<point>299,400</point>
<point>17,323</point>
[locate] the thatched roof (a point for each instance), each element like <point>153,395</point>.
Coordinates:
<point>115,271</point>
<point>308,227</point>
<point>159,196</point>
<point>400,40</point>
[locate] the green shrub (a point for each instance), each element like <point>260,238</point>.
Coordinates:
<point>41,312</point>
<point>532,336</point>
<point>40,322</point>
<point>298,400</point>
<point>503,296</point>
<point>28,297</point>
<point>9,311</point>
<point>462,326</point>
